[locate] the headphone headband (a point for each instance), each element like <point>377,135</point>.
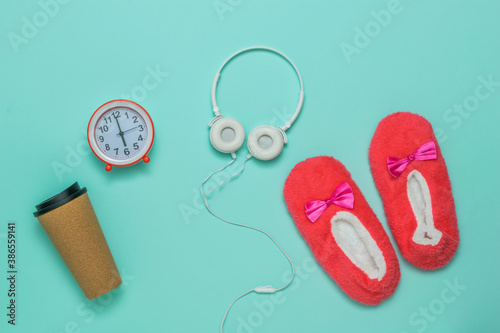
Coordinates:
<point>301,94</point>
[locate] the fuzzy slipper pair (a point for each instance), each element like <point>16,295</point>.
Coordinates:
<point>344,233</point>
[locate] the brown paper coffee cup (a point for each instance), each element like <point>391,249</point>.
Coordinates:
<point>71,224</point>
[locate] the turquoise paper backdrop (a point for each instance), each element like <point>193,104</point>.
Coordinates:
<point>360,61</point>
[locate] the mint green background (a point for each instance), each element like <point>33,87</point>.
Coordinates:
<point>181,271</point>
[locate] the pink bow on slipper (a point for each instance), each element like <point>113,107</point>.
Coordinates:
<point>427,151</point>
<point>342,197</point>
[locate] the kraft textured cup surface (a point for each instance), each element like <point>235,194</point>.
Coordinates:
<point>75,232</point>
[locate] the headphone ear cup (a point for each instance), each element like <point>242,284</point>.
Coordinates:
<point>227,135</point>
<point>265,142</point>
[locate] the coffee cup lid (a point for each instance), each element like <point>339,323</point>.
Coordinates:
<point>72,192</point>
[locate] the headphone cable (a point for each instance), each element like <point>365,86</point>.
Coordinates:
<point>263,289</point>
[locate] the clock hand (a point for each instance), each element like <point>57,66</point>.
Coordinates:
<point>120,133</point>
<point>123,139</point>
<point>133,128</point>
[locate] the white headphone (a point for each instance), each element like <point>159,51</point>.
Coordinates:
<point>265,142</point>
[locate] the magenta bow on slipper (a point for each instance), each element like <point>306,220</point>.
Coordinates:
<point>427,151</point>
<point>342,197</point>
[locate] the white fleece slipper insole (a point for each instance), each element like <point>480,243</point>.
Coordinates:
<point>420,200</point>
<point>358,245</point>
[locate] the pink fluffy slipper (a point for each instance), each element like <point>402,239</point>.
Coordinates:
<point>411,176</point>
<point>343,232</point>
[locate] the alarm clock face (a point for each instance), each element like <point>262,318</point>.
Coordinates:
<point>121,133</point>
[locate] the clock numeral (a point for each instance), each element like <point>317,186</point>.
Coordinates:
<point>107,119</point>
<point>101,138</point>
<point>135,119</point>
<point>103,128</point>
<point>136,146</point>
<point>141,128</point>
<point>126,151</point>
<point>116,114</point>
<point>107,147</point>
<point>140,138</point>
<point>126,113</point>
<point>116,151</point>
